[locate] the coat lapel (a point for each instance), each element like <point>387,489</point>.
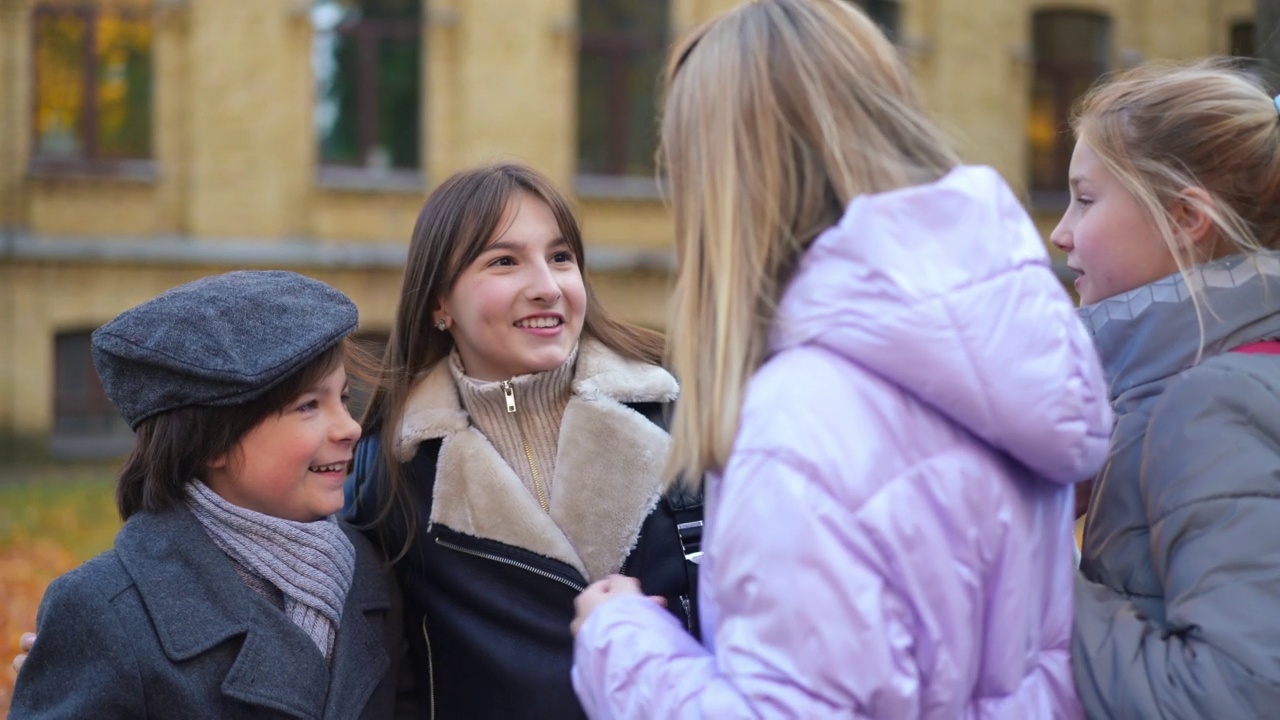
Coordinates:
<point>197,601</point>
<point>608,467</point>
<point>278,666</point>
<point>361,659</point>
<point>608,479</point>
<point>477,493</point>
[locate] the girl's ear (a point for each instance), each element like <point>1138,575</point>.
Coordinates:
<point>1191,215</point>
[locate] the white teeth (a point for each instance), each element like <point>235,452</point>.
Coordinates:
<point>336,467</point>
<point>542,322</point>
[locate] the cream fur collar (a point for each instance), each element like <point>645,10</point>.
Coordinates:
<point>608,468</point>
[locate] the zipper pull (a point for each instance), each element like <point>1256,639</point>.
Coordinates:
<point>510,394</point>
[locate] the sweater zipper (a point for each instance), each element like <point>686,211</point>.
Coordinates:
<point>509,392</point>
<point>514,563</point>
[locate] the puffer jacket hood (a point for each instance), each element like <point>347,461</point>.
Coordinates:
<point>891,536</point>
<point>963,332</point>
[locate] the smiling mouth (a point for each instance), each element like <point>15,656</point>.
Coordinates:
<point>335,467</point>
<point>540,322</point>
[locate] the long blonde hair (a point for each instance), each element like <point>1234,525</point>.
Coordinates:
<point>777,114</point>
<point>1164,127</point>
<point>454,226</point>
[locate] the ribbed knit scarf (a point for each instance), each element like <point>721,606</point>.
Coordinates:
<point>311,563</point>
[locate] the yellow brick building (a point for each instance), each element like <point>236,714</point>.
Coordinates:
<point>144,143</point>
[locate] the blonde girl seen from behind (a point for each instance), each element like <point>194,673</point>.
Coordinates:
<point>887,388</point>
<point>805,141</point>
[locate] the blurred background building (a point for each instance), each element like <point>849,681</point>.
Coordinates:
<point>147,143</point>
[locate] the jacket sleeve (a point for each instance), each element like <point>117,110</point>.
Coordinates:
<point>360,491</point>
<point>1211,491</point>
<point>82,664</point>
<point>782,624</point>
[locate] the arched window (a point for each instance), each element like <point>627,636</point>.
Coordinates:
<point>1072,50</point>
<point>622,46</point>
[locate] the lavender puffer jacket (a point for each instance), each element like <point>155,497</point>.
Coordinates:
<point>892,535</point>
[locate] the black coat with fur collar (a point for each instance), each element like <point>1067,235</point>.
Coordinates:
<point>490,579</point>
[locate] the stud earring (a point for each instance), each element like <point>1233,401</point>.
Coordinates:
<point>442,324</point>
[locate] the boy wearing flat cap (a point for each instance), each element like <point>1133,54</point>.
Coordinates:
<point>232,591</point>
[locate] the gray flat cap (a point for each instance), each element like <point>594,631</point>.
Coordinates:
<point>221,340</point>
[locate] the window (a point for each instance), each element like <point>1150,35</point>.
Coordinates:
<point>373,345</point>
<point>84,421</point>
<point>367,58</point>
<point>1241,39</point>
<point>1071,52</point>
<point>620,56</point>
<point>885,13</point>
<point>92,85</point>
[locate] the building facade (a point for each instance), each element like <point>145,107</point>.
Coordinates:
<point>144,143</point>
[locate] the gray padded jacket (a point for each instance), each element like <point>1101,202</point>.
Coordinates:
<point>1178,598</point>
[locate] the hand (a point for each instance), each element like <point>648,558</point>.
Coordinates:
<point>25,643</point>
<point>602,590</point>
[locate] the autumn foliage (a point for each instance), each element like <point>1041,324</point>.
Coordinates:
<point>52,518</point>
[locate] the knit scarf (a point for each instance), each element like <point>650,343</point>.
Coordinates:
<point>311,563</point>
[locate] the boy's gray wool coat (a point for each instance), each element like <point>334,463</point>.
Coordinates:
<point>163,626</point>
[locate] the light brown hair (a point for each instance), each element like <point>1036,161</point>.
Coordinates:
<point>456,223</point>
<point>1162,128</point>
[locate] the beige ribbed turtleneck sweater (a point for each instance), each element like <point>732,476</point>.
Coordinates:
<point>529,437</point>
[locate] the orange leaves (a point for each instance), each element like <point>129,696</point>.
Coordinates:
<point>51,520</point>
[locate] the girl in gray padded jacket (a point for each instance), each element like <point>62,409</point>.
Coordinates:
<point>1173,221</point>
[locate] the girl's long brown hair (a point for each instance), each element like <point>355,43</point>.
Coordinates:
<point>456,223</point>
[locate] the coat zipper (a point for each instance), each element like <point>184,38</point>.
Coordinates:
<point>688,613</point>
<point>431,671</point>
<point>514,563</point>
<point>509,392</point>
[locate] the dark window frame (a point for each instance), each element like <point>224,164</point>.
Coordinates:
<point>1063,75</point>
<point>85,423</point>
<point>367,34</point>
<point>372,344</point>
<point>620,50</point>
<point>1240,39</point>
<point>886,13</point>
<point>90,160</point>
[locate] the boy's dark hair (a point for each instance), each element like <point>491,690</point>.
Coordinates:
<point>175,447</point>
